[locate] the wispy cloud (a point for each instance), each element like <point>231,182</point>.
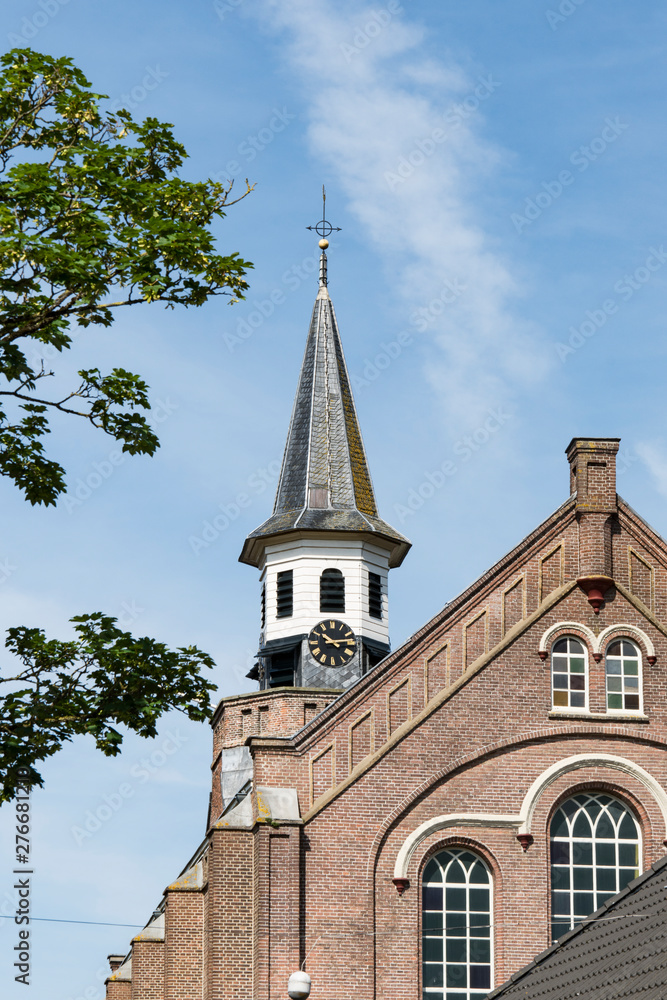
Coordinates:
<point>403,134</point>
<point>655,458</point>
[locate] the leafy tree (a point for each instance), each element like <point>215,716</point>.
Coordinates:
<point>93,216</point>
<point>103,678</point>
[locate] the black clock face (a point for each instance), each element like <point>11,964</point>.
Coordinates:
<point>332,643</point>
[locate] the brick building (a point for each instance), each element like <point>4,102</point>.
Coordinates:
<point>419,822</point>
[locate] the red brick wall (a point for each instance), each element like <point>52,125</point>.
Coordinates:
<point>147,970</point>
<point>184,930</point>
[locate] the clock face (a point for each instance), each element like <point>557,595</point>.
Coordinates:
<point>332,643</point>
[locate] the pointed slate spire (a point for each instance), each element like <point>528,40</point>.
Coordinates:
<point>324,482</point>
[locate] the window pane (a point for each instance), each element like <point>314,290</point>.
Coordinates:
<point>605,854</point>
<point>480,950</point>
<point>479,900</point>
<point>433,950</point>
<point>432,897</point>
<point>432,872</point>
<point>560,877</point>
<point>455,873</point>
<point>456,899</point>
<point>457,950</point>
<point>478,873</point>
<point>606,879</point>
<point>480,976</point>
<point>584,903</point>
<point>560,903</point>
<point>578,700</point>
<point>457,961</point>
<point>560,698</point>
<point>560,852</point>
<point>582,826</point>
<point>615,701</point>
<point>582,878</point>
<point>628,831</point>
<point>457,976</point>
<point>456,925</point>
<point>432,974</point>
<point>605,829</point>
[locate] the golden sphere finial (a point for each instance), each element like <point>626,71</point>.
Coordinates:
<point>323,244</point>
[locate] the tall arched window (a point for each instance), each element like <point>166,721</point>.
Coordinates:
<point>594,854</point>
<point>456,927</point>
<point>568,674</point>
<point>623,671</point>
<point>332,591</point>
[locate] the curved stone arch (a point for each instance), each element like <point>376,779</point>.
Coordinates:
<point>625,629</point>
<point>545,641</point>
<point>438,823</point>
<point>609,760</point>
<point>522,820</point>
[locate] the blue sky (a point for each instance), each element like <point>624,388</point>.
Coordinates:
<point>497,171</point>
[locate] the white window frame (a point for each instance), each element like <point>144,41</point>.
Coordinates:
<point>569,708</point>
<point>443,992</point>
<point>572,840</point>
<point>640,684</point>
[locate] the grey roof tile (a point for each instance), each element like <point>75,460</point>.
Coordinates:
<point>324,482</point>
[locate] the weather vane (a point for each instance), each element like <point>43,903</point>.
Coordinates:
<point>324,228</point>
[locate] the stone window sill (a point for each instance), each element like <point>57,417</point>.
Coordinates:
<point>599,716</point>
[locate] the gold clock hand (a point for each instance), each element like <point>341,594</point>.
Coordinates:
<point>332,642</point>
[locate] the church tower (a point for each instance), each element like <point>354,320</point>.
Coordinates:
<point>324,554</point>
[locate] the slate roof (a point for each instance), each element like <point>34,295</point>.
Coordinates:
<point>324,482</point>
<point>618,952</point>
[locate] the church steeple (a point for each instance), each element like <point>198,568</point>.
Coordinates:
<point>325,524</point>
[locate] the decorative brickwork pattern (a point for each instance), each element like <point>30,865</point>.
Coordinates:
<point>551,572</point>
<point>362,739</point>
<point>399,704</point>
<point>436,672</point>
<point>641,578</point>
<point>322,772</point>
<point>514,604</point>
<point>475,638</point>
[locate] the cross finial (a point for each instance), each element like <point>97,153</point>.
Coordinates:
<point>324,228</point>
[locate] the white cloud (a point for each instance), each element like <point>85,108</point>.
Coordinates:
<point>655,459</point>
<point>404,137</point>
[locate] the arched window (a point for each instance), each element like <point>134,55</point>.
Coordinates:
<point>594,854</point>
<point>623,671</point>
<point>332,591</point>
<point>456,927</point>
<point>569,674</point>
